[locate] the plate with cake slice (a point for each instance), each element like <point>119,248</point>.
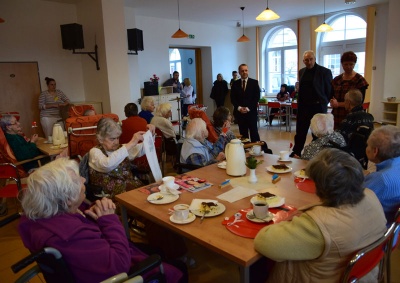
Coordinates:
<point>210,208</point>
<point>271,199</point>
<point>279,168</point>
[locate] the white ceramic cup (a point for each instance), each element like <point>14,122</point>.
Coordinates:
<point>50,139</point>
<point>256,149</point>
<point>181,212</point>
<point>260,209</point>
<point>284,155</point>
<point>169,181</point>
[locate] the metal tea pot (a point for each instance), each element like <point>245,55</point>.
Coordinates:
<point>58,135</point>
<point>235,158</point>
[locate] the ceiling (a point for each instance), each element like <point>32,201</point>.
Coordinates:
<point>228,13</point>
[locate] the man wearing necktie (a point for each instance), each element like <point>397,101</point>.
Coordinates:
<point>245,94</point>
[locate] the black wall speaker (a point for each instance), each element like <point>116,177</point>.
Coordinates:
<point>72,36</point>
<point>135,39</point>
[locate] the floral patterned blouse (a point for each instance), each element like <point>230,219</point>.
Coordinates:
<point>314,147</point>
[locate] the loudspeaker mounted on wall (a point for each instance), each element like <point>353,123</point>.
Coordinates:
<point>135,40</point>
<point>72,36</point>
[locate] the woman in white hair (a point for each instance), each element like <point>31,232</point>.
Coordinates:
<point>196,149</point>
<point>322,127</point>
<point>147,106</point>
<point>161,120</point>
<point>92,241</point>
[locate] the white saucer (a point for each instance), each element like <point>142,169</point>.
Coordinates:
<point>256,220</point>
<point>162,188</point>
<point>190,219</point>
<point>284,160</point>
<point>253,154</point>
<point>222,165</point>
<point>59,146</point>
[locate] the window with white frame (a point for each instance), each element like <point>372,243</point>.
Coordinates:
<point>175,61</point>
<point>281,59</point>
<point>349,32</point>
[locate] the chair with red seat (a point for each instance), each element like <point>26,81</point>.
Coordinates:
<point>275,110</point>
<point>262,111</point>
<point>365,260</point>
<point>393,243</point>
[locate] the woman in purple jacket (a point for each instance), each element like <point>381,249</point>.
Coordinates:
<point>92,242</point>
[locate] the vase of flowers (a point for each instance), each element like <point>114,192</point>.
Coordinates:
<point>154,79</point>
<point>252,164</point>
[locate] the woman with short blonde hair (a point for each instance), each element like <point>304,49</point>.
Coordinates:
<point>147,106</point>
<point>162,121</point>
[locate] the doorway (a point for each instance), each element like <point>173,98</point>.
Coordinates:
<point>187,61</point>
<point>20,89</point>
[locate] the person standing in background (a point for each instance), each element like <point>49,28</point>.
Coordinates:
<point>314,94</point>
<point>174,82</point>
<point>235,77</point>
<point>219,91</point>
<point>343,83</point>
<point>188,96</point>
<point>50,101</point>
<point>245,95</point>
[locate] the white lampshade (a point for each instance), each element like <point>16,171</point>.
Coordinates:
<point>267,15</point>
<point>324,28</point>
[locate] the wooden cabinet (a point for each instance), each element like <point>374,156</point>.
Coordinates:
<point>391,113</point>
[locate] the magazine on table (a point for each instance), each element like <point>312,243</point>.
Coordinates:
<point>192,184</point>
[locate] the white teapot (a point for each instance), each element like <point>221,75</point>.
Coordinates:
<point>58,135</point>
<point>235,158</point>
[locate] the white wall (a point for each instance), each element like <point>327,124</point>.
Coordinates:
<point>31,32</point>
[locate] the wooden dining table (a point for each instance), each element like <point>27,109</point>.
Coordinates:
<point>48,148</point>
<point>211,233</point>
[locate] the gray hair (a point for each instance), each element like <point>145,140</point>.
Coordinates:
<point>107,127</point>
<point>51,188</point>
<point>163,109</point>
<point>5,121</point>
<point>311,52</point>
<point>146,102</point>
<point>354,96</point>
<point>322,124</point>
<point>338,177</point>
<point>387,140</point>
<point>196,128</point>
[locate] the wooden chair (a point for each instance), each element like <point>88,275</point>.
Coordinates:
<point>365,260</point>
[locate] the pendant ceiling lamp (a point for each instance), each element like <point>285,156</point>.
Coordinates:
<point>243,38</point>
<point>324,27</point>
<point>179,33</point>
<point>267,15</point>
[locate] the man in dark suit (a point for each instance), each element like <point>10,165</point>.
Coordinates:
<point>314,95</point>
<point>245,94</point>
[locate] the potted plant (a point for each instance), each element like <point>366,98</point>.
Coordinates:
<point>252,164</point>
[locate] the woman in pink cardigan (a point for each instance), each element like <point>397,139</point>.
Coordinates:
<point>92,242</point>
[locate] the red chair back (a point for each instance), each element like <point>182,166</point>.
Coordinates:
<point>82,133</point>
<point>195,113</point>
<point>365,105</point>
<point>7,155</point>
<point>295,105</point>
<point>10,171</point>
<point>274,105</point>
<point>365,260</point>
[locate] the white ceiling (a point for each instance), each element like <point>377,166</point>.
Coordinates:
<point>228,13</point>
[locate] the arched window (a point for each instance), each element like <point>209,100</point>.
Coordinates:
<point>175,61</point>
<point>281,59</point>
<point>349,32</point>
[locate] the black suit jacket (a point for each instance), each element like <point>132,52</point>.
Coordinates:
<point>249,98</point>
<point>321,84</point>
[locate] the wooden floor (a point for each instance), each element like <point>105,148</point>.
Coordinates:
<point>210,267</point>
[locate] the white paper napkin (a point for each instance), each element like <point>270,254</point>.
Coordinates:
<point>237,193</point>
<point>196,203</point>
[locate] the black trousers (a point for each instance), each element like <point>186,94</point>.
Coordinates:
<point>304,116</point>
<point>248,123</point>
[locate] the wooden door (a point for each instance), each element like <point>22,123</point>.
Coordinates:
<point>19,91</point>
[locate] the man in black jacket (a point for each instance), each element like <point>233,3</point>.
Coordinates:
<point>245,94</point>
<point>314,94</point>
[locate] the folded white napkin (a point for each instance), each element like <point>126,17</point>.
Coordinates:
<point>168,190</point>
<point>237,193</point>
<point>196,203</point>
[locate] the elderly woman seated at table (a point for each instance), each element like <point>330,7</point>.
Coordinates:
<point>147,106</point>
<point>109,162</point>
<point>93,242</point>
<point>161,120</point>
<point>21,148</point>
<point>196,149</point>
<point>222,119</point>
<point>317,245</point>
<point>322,127</point>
